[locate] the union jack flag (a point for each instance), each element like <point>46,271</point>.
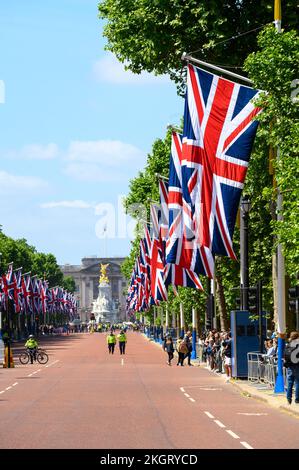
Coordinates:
<point>26,290</point>
<point>218,135</point>
<point>174,275</point>
<point>158,288</point>
<point>181,246</point>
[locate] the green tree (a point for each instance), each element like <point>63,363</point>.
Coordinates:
<point>152,34</point>
<point>273,69</point>
<point>68,283</point>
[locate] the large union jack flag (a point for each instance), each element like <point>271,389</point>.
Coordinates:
<point>181,246</point>
<point>218,135</point>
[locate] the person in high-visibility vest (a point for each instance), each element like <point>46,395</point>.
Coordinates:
<point>32,345</point>
<point>111,341</point>
<point>122,339</point>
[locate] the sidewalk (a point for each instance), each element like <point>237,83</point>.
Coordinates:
<point>252,390</point>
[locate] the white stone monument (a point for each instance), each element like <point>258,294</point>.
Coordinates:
<point>103,307</point>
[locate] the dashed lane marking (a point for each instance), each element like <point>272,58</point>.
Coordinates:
<point>253,414</point>
<point>209,389</point>
<point>2,391</point>
<point>8,388</point>
<point>186,395</point>
<point>30,375</point>
<point>221,425</point>
<point>246,445</point>
<point>182,389</point>
<point>231,433</point>
<point>209,414</point>
<point>16,383</point>
<point>192,399</point>
<point>122,362</point>
<point>52,364</point>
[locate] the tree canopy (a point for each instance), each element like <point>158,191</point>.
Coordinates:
<point>151,35</point>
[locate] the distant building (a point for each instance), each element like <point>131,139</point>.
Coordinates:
<point>86,277</point>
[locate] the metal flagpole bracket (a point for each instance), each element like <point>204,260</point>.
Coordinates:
<point>161,177</point>
<point>174,128</point>
<point>188,58</point>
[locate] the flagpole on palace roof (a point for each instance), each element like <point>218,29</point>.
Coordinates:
<point>281,300</point>
<point>188,58</point>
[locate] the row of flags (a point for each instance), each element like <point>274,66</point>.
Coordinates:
<point>196,214</point>
<point>30,295</point>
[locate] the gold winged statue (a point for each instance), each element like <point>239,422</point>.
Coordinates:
<point>103,277</point>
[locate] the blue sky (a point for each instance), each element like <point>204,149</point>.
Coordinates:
<point>74,127</point>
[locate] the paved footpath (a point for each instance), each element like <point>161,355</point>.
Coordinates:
<point>85,398</point>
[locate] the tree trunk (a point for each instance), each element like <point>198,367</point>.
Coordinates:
<point>224,324</point>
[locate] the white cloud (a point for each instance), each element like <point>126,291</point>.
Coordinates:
<point>33,152</point>
<point>109,69</point>
<point>92,173</point>
<point>10,183</point>
<point>103,160</point>
<point>77,204</point>
<point>105,152</point>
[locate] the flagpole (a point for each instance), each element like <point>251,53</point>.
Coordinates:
<point>281,300</point>
<point>188,58</point>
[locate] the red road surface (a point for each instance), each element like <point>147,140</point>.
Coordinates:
<point>85,398</point>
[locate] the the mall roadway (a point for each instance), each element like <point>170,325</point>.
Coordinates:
<point>85,398</point>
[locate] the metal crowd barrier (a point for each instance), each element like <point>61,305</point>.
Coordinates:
<point>262,369</point>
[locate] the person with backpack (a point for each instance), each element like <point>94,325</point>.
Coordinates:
<point>168,347</point>
<point>291,362</point>
<point>182,350</point>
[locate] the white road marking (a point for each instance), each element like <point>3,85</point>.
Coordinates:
<point>2,391</point>
<point>186,395</point>
<point>253,414</point>
<point>192,399</point>
<point>35,372</point>
<point>49,365</point>
<point>210,389</point>
<point>16,383</point>
<point>29,375</point>
<point>246,445</point>
<point>231,433</point>
<point>8,388</point>
<point>209,415</point>
<point>221,425</point>
<point>122,362</point>
<point>182,389</point>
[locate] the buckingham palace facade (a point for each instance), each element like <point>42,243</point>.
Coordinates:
<point>86,277</point>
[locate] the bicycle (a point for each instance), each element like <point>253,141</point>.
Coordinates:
<point>40,356</point>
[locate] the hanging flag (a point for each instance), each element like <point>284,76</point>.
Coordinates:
<point>27,294</point>
<point>181,246</point>
<point>158,288</point>
<point>218,135</point>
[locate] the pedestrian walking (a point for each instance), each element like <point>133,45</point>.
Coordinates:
<point>122,339</point>
<point>168,347</point>
<point>227,352</point>
<point>188,341</point>
<point>111,341</point>
<point>291,361</point>
<point>182,350</point>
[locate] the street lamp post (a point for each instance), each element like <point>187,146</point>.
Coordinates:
<point>244,268</point>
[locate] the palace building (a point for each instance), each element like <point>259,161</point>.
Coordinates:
<point>86,277</point>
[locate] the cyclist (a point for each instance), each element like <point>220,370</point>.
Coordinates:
<point>32,345</point>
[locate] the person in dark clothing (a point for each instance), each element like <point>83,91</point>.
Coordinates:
<point>188,341</point>
<point>227,351</point>
<point>182,350</point>
<point>168,347</point>
<point>291,361</point>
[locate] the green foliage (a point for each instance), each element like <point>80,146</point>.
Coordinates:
<point>24,255</point>
<point>68,283</point>
<point>151,35</point>
<point>273,69</point>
